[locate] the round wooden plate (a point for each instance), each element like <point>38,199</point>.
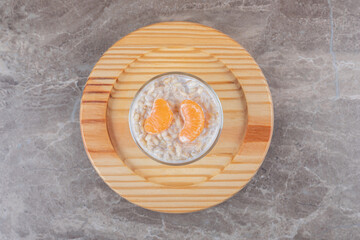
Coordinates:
<point>180,47</point>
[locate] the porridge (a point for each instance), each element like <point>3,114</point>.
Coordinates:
<point>175,118</point>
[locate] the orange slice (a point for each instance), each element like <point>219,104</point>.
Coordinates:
<point>194,120</point>
<point>160,117</point>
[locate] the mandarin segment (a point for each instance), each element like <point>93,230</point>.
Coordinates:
<point>160,117</point>
<point>194,121</point>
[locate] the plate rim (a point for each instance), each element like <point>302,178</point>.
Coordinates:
<point>91,155</point>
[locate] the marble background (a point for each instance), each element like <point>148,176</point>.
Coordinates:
<point>309,184</point>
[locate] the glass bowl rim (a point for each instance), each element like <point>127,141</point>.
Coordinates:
<point>217,100</point>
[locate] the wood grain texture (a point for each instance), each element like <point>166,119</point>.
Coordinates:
<point>184,47</point>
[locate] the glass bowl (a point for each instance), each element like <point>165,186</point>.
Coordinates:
<point>215,136</point>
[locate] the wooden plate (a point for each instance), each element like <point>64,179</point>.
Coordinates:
<point>182,47</point>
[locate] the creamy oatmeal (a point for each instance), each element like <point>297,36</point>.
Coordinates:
<point>166,145</point>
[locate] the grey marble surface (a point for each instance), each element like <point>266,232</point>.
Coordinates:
<point>309,184</point>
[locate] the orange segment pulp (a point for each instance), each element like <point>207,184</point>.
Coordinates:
<point>194,120</point>
<point>160,117</point>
